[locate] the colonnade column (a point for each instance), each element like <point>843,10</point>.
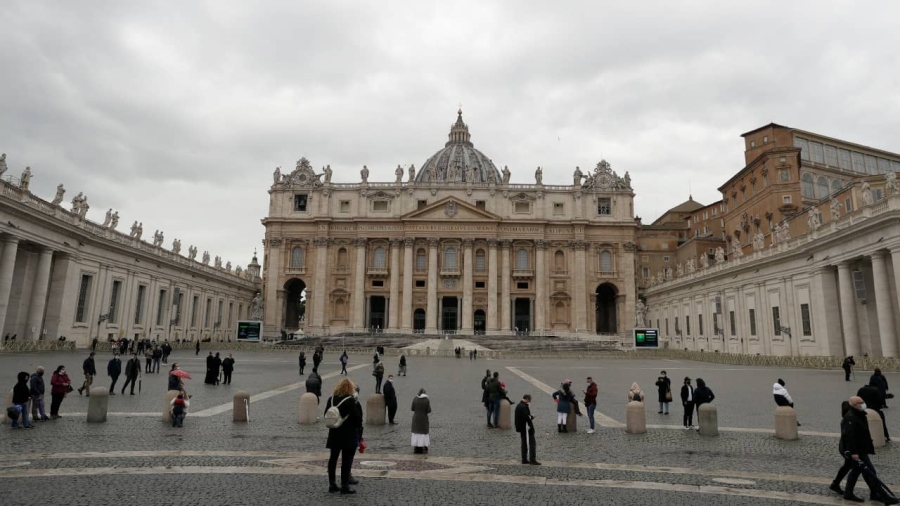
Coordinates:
<point>467,287</point>
<point>431,308</point>
<point>272,311</point>
<point>406,311</point>
<point>504,284</point>
<point>540,276</point>
<point>39,296</point>
<point>492,285</point>
<point>580,289</point>
<point>848,310</point>
<point>393,322</point>
<point>7,266</point>
<point>884,306</point>
<point>359,286</point>
<point>319,300</point>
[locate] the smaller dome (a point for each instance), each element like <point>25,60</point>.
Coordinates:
<point>458,161</point>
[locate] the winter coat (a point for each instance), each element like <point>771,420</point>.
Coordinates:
<point>21,392</point>
<point>133,367</point>
<point>635,393</point>
<point>523,417</point>
<point>59,383</point>
<point>879,381</point>
<point>421,407</point>
<point>782,397</point>
<point>37,385</point>
<point>402,360</point>
<point>314,384</point>
<point>703,395</point>
<point>228,364</point>
<point>173,382</point>
<point>847,363</point>
<point>855,436</point>
<point>347,435</point>
<point>663,386</point>
<point>390,395</point>
<point>494,389</point>
<point>687,394</point>
<point>564,400</point>
<point>88,366</point>
<point>872,397</point>
<point>590,395</point>
<point>114,368</point>
<point>302,360</point>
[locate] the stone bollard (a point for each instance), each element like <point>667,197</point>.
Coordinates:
<point>98,405</point>
<point>375,410</point>
<point>708,419</point>
<point>167,405</point>
<point>504,421</point>
<point>786,423</point>
<point>309,405</point>
<point>241,406</point>
<point>876,429</point>
<point>572,420</point>
<point>635,418</point>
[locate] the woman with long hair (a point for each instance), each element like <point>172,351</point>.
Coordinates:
<point>343,440</point>
<point>421,407</point>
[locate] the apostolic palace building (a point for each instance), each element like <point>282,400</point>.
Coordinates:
<point>450,247</point>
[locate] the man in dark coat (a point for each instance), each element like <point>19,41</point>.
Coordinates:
<point>210,378</point>
<point>871,395</point>
<point>495,393</point>
<point>157,356</point>
<point>317,359</point>
<point>702,395</point>
<point>856,444</point>
<point>113,370</point>
<point>314,384</point>
<point>848,367</point>
<point>89,371</point>
<point>216,366</point>
<point>302,362</point>
<point>390,399</point>
<point>132,371</point>
<point>166,351</point>
<point>197,348</point>
<point>227,369</point>
<point>879,381</point>
<point>37,396</point>
<point>525,427</point>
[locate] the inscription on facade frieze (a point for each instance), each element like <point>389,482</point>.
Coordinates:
<point>558,231</point>
<point>521,229</point>
<point>338,228</point>
<point>440,227</point>
<point>362,227</point>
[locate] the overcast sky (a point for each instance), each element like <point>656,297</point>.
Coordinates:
<point>176,113</point>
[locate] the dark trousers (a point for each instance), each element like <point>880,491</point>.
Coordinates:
<point>529,445</point>
<point>301,369</point>
<point>688,418</point>
<point>55,402</point>
<point>149,366</point>
<point>112,386</point>
<point>883,423</point>
<point>346,455</point>
<point>378,384</point>
<point>847,374</point>
<point>156,365</point>
<point>392,411</point>
<point>226,377</point>
<point>842,472</point>
<point>855,471</point>
<point>343,368</point>
<point>129,380</point>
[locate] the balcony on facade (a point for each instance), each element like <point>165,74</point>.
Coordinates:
<point>450,273</point>
<point>377,272</point>
<point>522,274</point>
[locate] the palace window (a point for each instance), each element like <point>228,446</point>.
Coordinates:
<point>450,259</point>
<point>731,322</point>
<point>823,187</point>
<point>752,322</point>
<point>700,323</point>
<point>559,261</point>
<point>523,207</point>
<point>807,188</point>
<point>300,202</point>
<point>836,186</point>
<point>645,272</point>
<point>479,260</point>
<point>84,292</point>
<point>522,259</point>
<point>297,258</point>
<point>421,260</point>
<point>112,314</point>
<point>604,207</point>
<point>377,283</point>
<point>479,204</point>
<point>479,284</point>
<point>342,258</point>
<point>161,308</point>
<point>139,306</point>
<point>379,258</point>
<point>380,206</point>
<point>421,204</point>
<point>558,208</point>
<point>776,320</point>
<point>345,206</point>
<point>804,316</point>
<point>420,283</point>
<point>606,263</point>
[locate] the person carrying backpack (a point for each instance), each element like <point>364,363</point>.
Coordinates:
<point>343,418</point>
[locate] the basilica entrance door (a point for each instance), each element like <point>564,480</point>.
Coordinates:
<point>449,312</point>
<point>479,321</point>
<point>523,314</point>
<point>377,306</point>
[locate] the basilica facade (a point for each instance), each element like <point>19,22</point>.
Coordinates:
<point>450,247</point>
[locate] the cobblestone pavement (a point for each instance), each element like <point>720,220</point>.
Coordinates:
<point>274,460</point>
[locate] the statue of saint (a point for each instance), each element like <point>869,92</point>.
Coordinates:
<point>812,220</point>
<point>192,252</point>
<point>114,222</point>
<point>256,307</point>
<point>228,266</point>
<point>398,175</point>
<point>3,167</point>
<point>539,176</point>
<point>277,175</point>
<point>506,175</point>
<point>470,174</point>
<point>867,196</point>
<point>60,191</point>
<point>759,241</point>
<point>176,246</point>
<point>364,174</point>
<point>26,179</point>
<point>412,173</point>
<point>890,179</point>
<point>720,255</point>
<point>108,218</point>
<point>836,209</point>
<point>206,257</point>
<point>328,173</point>
<point>627,180</point>
<point>140,231</point>
<point>577,177</point>
<point>704,261</point>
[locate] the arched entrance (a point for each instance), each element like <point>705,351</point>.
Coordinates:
<point>606,317</point>
<point>480,321</point>
<point>294,303</point>
<point>419,319</point>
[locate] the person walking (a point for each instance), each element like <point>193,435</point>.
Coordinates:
<point>157,355</point>
<point>227,369</point>
<point>402,369</point>
<point>302,362</point>
<point>475,354</point>
<point>494,393</point>
<point>847,366</point>
<point>421,408</point>
<point>524,422</point>
<point>113,370</point>
<point>344,439</point>
<point>60,386</point>
<point>856,444</point>
<point>871,395</point>
<point>90,370</point>
<point>344,358</point>
<point>702,395</point>
<point>197,348</point>
<point>317,359</point>
<point>390,399</point>
<point>687,402</point>
<point>664,389</point>
<point>782,397</point>
<point>93,343</point>
<point>880,382</point>
<point>20,398</point>
<point>379,375</point>
<point>590,402</point>
<point>36,385</point>
<point>132,371</point>
<point>564,399</point>
<point>166,351</point>
<point>635,394</point>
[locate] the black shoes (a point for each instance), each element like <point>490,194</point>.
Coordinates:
<point>80,391</point>
<point>353,481</point>
<point>332,488</point>
<point>534,463</point>
<point>836,487</point>
<point>347,491</point>
<point>526,462</point>
<point>853,498</point>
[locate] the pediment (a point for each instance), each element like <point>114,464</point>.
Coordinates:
<point>450,208</point>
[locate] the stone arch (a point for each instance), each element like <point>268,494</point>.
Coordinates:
<point>559,261</point>
<point>294,303</point>
<point>606,310</point>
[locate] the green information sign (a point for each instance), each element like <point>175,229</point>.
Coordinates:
<point>646,338</point>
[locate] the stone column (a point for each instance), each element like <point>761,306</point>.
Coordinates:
<point>39,296</point>
<point>540,276</point>
<point>504,284</point>
<point>580,289</point>
<point>406,310</point>
<point>883,304</point>
<point>320,298</point>
<point>273,318</point>
<point>895,259</point>
<point>393,322</point>
<point>431,309</point>
<point>467,315</point>
<point>359,286</point>
<point>848,310</point>
<point>491,324</point>
<point>7,266</point>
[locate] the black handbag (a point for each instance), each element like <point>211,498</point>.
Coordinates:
<point>69,389</point>
<point>12,412</point>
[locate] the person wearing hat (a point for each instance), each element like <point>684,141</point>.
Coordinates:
<point>687,401</point>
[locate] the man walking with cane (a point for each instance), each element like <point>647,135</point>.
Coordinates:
<point>525,428</point>
<point>856,444</point>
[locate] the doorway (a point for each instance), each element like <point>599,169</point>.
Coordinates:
<point>295,303</point>
<point>480,321</point>
<point>606,309</point>
<point>449,313</point>
<point>419,320</point>
<point>377,308</point>
<point>522,311</point>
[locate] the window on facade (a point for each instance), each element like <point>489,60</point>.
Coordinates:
<point>776,320</point>
<point>558,208</point>
<point>139,306</point>
<point>731,323</point>
<point>479,204</point>
<point>858,161</point>
<point>420,283</point>
<point>844,159</point>
<point>606,264</point>
<point>114,301</point>
<point>479,260</point>
<point>784,175</point>
<point>700,323</point>
<point>345,206</point>
<point>716,323</point>
<point>884,166</point>
<point>300,203</point>
<point>379,258</point>
<point>450,259</point>
<point>786,199</point>
<point>342,258</point>
<point>807,187</point>
<point>523,207</point>
<point>240,311</point>
<point>479,284</point>
<point>522,285</point>
<point>84,290</point>
<point>804,316</point>
<point>848,205</point>
<point>836,185</point>
<point>604,206</point>
<point>667,325</point>
<point>822,183</point>
<point>765,139</point>
<point>645,272</point>
<point>421,203</point>
<point>687,325</point>
<point>421,260</point>
<point>803,144</point>
<point>297,258</point>
<point>871,165</point>
<point>377,283</point>
<point>665,259</point>
<point>522,259</point>
<point>219,313</point>
<point>380,206</point>
<point>161,307</point>
<point>559,261</point>
<point>816,152</point>
<point>206,316</point>
<point>676,325</point>
<point>176,299</point>
<point>195,305</point>
<point>752,144</point>
<point>831,156</point>
<point>877,194</point>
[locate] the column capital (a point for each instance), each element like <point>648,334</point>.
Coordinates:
<point>433,242</point>
<point>879,255</point>
<point>467,243</point>
<point>492,242</point>
<point>360,242</point>
<point>9,239</point>
<point>409,241</point>
<point>396,242</point>
<point>540,244</point>
<point>505,243</point>
<point>322,242</point>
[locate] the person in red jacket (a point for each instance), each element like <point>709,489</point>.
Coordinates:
<point>60,384</point>
<point>590,400</point>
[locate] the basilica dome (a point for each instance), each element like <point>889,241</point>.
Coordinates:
<point>458,161</point>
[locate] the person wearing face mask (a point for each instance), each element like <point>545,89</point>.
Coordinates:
<point>664,389</point>
<point>37,396</point>
<point>687,401</point>
<point>60,386</point>
<point>856,445</point>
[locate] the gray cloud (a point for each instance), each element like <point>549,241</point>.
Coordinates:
<point>177,115</point>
